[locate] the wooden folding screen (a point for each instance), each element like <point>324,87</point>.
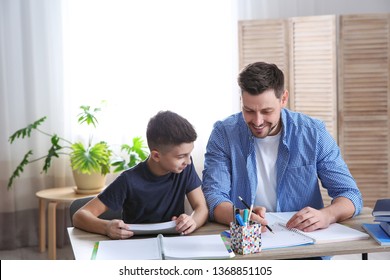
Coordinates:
<point>265,40</point>
<point>313,68</point>
<point>364,102</point>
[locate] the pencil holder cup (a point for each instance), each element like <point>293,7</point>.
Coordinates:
<point>245,239</point>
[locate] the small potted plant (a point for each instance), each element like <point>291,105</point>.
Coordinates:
<point>136,153</point>
<point>90,162</point>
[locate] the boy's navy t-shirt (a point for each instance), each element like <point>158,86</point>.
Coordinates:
<point>147,198</point>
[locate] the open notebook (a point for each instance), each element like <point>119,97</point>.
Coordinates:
<point>160,248</point>
<point>284,237</point>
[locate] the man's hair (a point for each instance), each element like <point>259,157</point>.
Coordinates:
<point>169,129</point>
<point>258,77</point>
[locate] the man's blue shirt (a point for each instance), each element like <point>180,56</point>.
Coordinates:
<point>307,153</point>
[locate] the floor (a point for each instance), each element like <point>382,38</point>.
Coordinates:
<point>32,253</point>
<point>66,253</point>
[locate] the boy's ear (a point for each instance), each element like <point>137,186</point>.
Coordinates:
<point>155,155</point>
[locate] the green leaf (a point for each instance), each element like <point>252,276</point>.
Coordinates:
<point>140,148</point>
<point>119,165</point>
<point>19,168</point>
<point>137,152</point>
<point>22,133</point>
<point>88,116</point>
<point>52,152</point>
<point>91,159</point>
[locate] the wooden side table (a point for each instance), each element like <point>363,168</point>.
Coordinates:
<point>52,197</point>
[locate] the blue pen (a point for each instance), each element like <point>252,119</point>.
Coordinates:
<point>237,213</point>
<point>246,215</point>
<point>239,220</point>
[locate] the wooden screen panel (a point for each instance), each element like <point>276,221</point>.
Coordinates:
<point>364,102</point>
<point>313,68</point>
<point>264,40</point>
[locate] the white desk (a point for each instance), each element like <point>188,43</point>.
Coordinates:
<point>83,242</point>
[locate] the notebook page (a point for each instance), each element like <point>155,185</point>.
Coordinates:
<point>282,217</point>
<point>195,247</point>
<point>282,237</point>
<point>334,233</point>
<point>129,249</point>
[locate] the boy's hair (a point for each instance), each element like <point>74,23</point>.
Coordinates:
<point>169,129</point>
<point>258,77</point>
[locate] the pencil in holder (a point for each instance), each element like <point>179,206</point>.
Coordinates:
<point>245,239</point>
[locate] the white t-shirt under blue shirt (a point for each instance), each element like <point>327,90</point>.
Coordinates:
<point>266,155</point>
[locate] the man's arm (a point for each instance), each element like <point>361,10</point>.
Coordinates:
<point>223,213</point>
<point>217,176</point>
<point>337,179</point>
<point>335,175</point>
<point>341,209</point>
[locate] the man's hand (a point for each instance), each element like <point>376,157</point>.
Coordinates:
<point>309,219</point>
<point>117,229</point>
<point>259,217</point>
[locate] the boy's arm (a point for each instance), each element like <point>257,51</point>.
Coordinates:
<point>86,218</point>
<point>199,206</point>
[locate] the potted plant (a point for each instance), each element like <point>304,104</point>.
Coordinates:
<point>136,153</point>
<point>89,162</point>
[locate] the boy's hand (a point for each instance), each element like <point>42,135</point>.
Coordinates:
<point>185,224</point>
<point>117,229</point>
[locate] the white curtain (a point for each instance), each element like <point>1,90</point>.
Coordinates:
<point>140,56</point>
<point>31,86</point>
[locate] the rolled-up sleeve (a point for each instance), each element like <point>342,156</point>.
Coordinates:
<point>334,173</point>
<point>217,170</point>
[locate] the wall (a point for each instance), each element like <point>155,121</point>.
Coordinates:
<point>267,9</point>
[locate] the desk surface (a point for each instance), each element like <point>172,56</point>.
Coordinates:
<point>83,242</point>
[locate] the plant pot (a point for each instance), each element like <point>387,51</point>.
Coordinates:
<point>89,183</point>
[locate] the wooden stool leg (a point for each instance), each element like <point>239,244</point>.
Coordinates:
<point>52,243</point>
<point>42,225</point>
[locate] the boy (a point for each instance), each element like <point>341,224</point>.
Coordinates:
<point>154,190</point>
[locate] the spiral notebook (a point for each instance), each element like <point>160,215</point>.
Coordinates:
<point>163,248</point>
<point>283,237</point>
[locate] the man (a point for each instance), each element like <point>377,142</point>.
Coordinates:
<point>273,158</point>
